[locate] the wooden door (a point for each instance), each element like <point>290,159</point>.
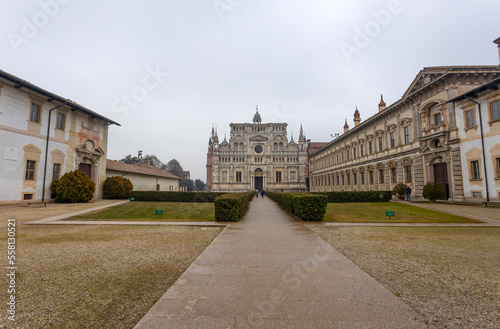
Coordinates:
<point>86,168</point>
<point>441,176</point>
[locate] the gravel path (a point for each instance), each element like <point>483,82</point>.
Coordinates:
<point>447,274</point>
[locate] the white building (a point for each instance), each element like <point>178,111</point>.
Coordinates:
<point>42,137</point>
<point>144,177</point>
<point>478,123</point>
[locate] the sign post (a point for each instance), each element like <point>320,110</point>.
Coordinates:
<point>389,214</point>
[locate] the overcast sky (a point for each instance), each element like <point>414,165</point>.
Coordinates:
<point>168,70</point>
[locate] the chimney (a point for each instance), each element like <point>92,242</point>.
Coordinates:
<point>497,41</point>
<point>346,127</point>
<point>381,105</point>
<point>357,118</point>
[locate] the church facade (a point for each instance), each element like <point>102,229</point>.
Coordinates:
<point>257,156</point>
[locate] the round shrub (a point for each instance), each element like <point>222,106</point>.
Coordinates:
<point>117,187</point>
<point>74,186</point>
<point>434,191</point>
<point>399,190</point>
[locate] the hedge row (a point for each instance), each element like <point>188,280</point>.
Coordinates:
<point>306,206</point>
<point>231,207</point>
<point>166,196</point>
<point>357,196</point>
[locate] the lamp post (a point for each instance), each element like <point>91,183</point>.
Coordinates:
<point>47,151</point>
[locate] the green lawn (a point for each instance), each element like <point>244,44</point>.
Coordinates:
<point>172,211</point>
<point>374,212</point>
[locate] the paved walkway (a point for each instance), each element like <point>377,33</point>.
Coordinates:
<point>269,271</point>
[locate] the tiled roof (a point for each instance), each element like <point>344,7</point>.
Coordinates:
<point>142,169</point>
<point>23,83</point>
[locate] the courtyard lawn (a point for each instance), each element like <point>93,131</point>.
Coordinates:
<point>374,212</point>
<point>93,276</point>
<point>145,211</point>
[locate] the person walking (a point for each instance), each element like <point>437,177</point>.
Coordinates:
<point>408,193</point>
<point>262,193</point>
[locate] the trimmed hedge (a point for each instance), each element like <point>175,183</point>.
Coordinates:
<point>165,196</point>
<point>231,207</point>
<point>357,196</point>
<point>306,206</point>
<point>117,187</point>
<point>73,187</point>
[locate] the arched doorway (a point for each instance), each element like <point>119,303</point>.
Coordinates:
<point>259,179</point>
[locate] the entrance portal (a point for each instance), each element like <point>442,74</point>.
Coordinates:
<point>441,176</point>
<point>259,179</point>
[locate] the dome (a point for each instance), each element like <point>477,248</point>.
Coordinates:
<point>257,118</point>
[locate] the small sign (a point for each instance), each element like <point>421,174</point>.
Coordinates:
<point>389,214</point>
<point>158,212</point>
<point>132,199</point>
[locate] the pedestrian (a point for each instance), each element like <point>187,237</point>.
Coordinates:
<point>408,193</point>
<point>262,193</point>
<point>256,193</point>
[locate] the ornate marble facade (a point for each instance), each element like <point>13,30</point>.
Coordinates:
<point>258,155</point>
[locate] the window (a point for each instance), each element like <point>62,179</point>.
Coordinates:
<point>437,119</point>
<point>497,161</point>
<point>362,175</point>
<point>469,119</point>
<point>407,135</point>
<point>370,147</point>
<point>381,176</point>
<point>354,152</point>
<point>343,180</point>
<point>61,121</point>
<point>474,170</point>
<point>278,177</point>
<point>394,177</point>
<point>371,176</point>
<point>238,177</point>
<point>408,173</point>
<point>56,171</point>
<point>30,170</point>
<point>362,150</point>
<point>495,110</point>
<point>393,140</point>
<point>338,181</point>
<point>355,178</point>
<point>348,179</point>
<point>35,113</point>
<point>380,144</point>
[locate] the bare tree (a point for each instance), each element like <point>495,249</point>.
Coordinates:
<point>174,167</point>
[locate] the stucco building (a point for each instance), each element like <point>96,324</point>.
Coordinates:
<point>478,123</point>
<point>417,139</point>
<point>257,156</point>
<point>42,137</point>
<point>144,177</point>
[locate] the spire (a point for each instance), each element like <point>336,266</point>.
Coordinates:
<point>302,138</point>
<point>357,117</point>
<point>381,105</point>
<point>346,126</point>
